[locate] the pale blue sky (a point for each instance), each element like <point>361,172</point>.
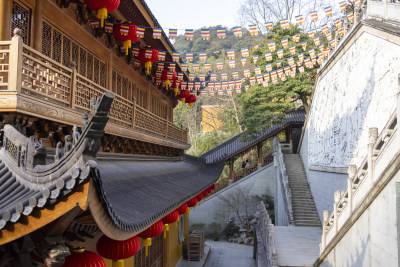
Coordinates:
<point>194,14</point>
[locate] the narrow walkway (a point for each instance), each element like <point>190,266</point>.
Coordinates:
<point>225,254</point>
<point>297,245</point>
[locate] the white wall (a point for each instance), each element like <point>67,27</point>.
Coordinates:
<point>213,209</point>
<point>372,240</point>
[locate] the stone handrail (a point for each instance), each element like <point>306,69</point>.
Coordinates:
<point>387,10</point>
<point>25,70</point>
<point>283,179</point>
<point>265,231</point>
<point>361,179</point>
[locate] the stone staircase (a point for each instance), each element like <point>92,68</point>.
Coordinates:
<point>304,211</point>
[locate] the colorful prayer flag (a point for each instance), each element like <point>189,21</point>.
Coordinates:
<point>290,61</point>
<point>271,46</point>
<point>220,65</point>
<point>260,78</point>
<point>245,52</point>
<point>255,58</point>
<point>175,56</point>
<point>342,6</point>
<point>157,33</point>
<point>338,23</point>
<point>172,67</point>
<point>268,56</point>
<point>341,30</point>
<point>140,31</point>
<point>292,49</point>
<point>357,2</point>
<point>314,16</point>
<point>196,67</point>
<point>257,70</point>
<point>108,27</point>
<point>191,76</point>
<point>231,64</point>
<point>300,19</point>
<point>184,66</point>
<point>207,66</point>
<point>304,46</point>
<point>329,36</point>
<point>135,53</point>
<point>268,67</point>
<point>301,69</point>
<point>124,30</point>
<point>189,34</point>
<point>269,25</point>
<point>280,53</point>
<point>244,61</point>
<point>231,54</point>
<point>317,41</point>
<point>278,63</point>
<point>266,77</point>
<point>328,11</point>
<point>311,52</point>
<point>253,30</point>
<point>296,38</point>
<point>237,31</point>
<point>189,56</point>
<point>350,16</point>
<point>324,29</point>
<point>161,55</point>
<point>202,56</point>
<point>221,33</point>
<point>311,34</point>
<point>205,34</point>
<point>180,76</point>
<point>332,43</point>
<point>284,24</point>
<point>284,43</point>
<point>235,74</point>
<point>252,80</point>
<point>173,33</point>
<point>213,77</point>
<point>287,70</point>
<point>301,57</point>
<point>246,73</point>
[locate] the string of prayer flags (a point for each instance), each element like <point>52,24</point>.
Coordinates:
<point>172,67</point>
<point>190,85</point>
<point>158,73</point>
<point>268,67</point>
<point>140,31</point>
<point>196,67</point>
<point>207,66</point>
<point>271,46</point>
<point>350,16</point>
<point>296,38</point>
<point>269,26</point>
<point>329,36</point>
<point>203,92</point>
<point>157,33</point>
<point>280,53</point>
<point>280,72</point>
<point>300,20</point>
<point>314,16</point>
<point>231,54</point>
<point>197,86</point>
<point>292,50</point>
<point>237,31</point>
<point>124,30</point>
<point>232,64</point>
<point>189,34</point>
<point>321,47</point>
<point>211,86</point>
<point>316,41</point>
<point>246,73</point>
<point>328,11</point>
<point>203,56</point>
<point>213,76</point>
<point>184,66</point>
<point>205,34</point>
<point>189,56</point>
<point>332,42</point>
<point>338,23</point>
<point>224,85</point>
<point>191,76</point>
<point>311,34</point>
<point>180,76</point>
<point>266,77</point>
<point>238,84</point>
<point>160,66</point>
<point>235,74</point>
<point>183,85</point>
<point>257,70</point>
<point>290,61</point>
<point>175,56</point>
<point>224,76</point>
<point>268,56</point>
<point>327,51</point>
<point>293,67</point>
<point>284,42</point>
<point>255,58</point>
<point>253,30</point>
<point>135,53</point>
<point>173,34</point>
<point>301,57</point>
<point>244,61</point>
<point>252,80</point>
<point>273,76</point>
<point>245,52</point>
<point>220,65</point>
<point>304,46</point>
<point>161,55</point>
<point>284,24</point>
<point>343,6</point>
<point>232,84</point>
<point>108,27</point>
<point>341,30</point>
<point>311,52</point>
<point>260,79</point>
<point>287,70</point>
<point>221,33</point>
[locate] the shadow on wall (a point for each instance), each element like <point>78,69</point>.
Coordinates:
<point>359,258</point>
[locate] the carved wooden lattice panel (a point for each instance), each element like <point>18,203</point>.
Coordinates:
<point>122,85</point>
<point>155,257</point>
<point>45,78</point>
<point>21,18</point>
<point>63,49</point>
<point>146,121</point>
<point>4,64</point>
<point>121,111</point>
<point>85,90</point>
<point>159,107</point>
<point>174,132</point>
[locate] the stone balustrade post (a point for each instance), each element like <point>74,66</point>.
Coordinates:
<point>372,137</point>
<point>398,109</point>
<point>352,174</point>
<point>15,62</point>
<point>337,196</point>
<point>324,226</point>
<point>385,6</point>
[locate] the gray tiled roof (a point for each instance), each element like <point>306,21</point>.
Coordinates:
<point>233,145</point>
<point>138,192</point>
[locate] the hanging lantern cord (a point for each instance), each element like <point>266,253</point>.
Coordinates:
<point>146,243</point>
<point>102,15</point>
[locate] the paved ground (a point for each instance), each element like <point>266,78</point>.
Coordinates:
<point>296,245</point>
<point>225,254</point>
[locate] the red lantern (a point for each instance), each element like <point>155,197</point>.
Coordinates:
<point>116,250</point>
<point>182,208</point>
<point>167,76</point>
<point>126,33</point>
<point>191,99</point>
<point>184,95</point>
<point>199,197</point>
<point>81,258</point>
<point>175,86</point>
<point>212,187</point>
<point>148,55</point>
<point>192,203</point>
<point>168,219</point>
<point>102,7</point>
<point>153,231</point>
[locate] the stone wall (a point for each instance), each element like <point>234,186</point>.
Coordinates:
<point>215,210</point>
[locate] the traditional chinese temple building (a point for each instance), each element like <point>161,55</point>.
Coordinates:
<point>89,154</point>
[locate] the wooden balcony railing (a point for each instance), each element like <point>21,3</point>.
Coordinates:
<point>29,72</point>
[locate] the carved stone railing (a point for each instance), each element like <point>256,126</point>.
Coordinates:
<point>381,150</point>
<point>29,72</point>
<point>283,180</point>
<point>386,10</point>
<point>265,233</point>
